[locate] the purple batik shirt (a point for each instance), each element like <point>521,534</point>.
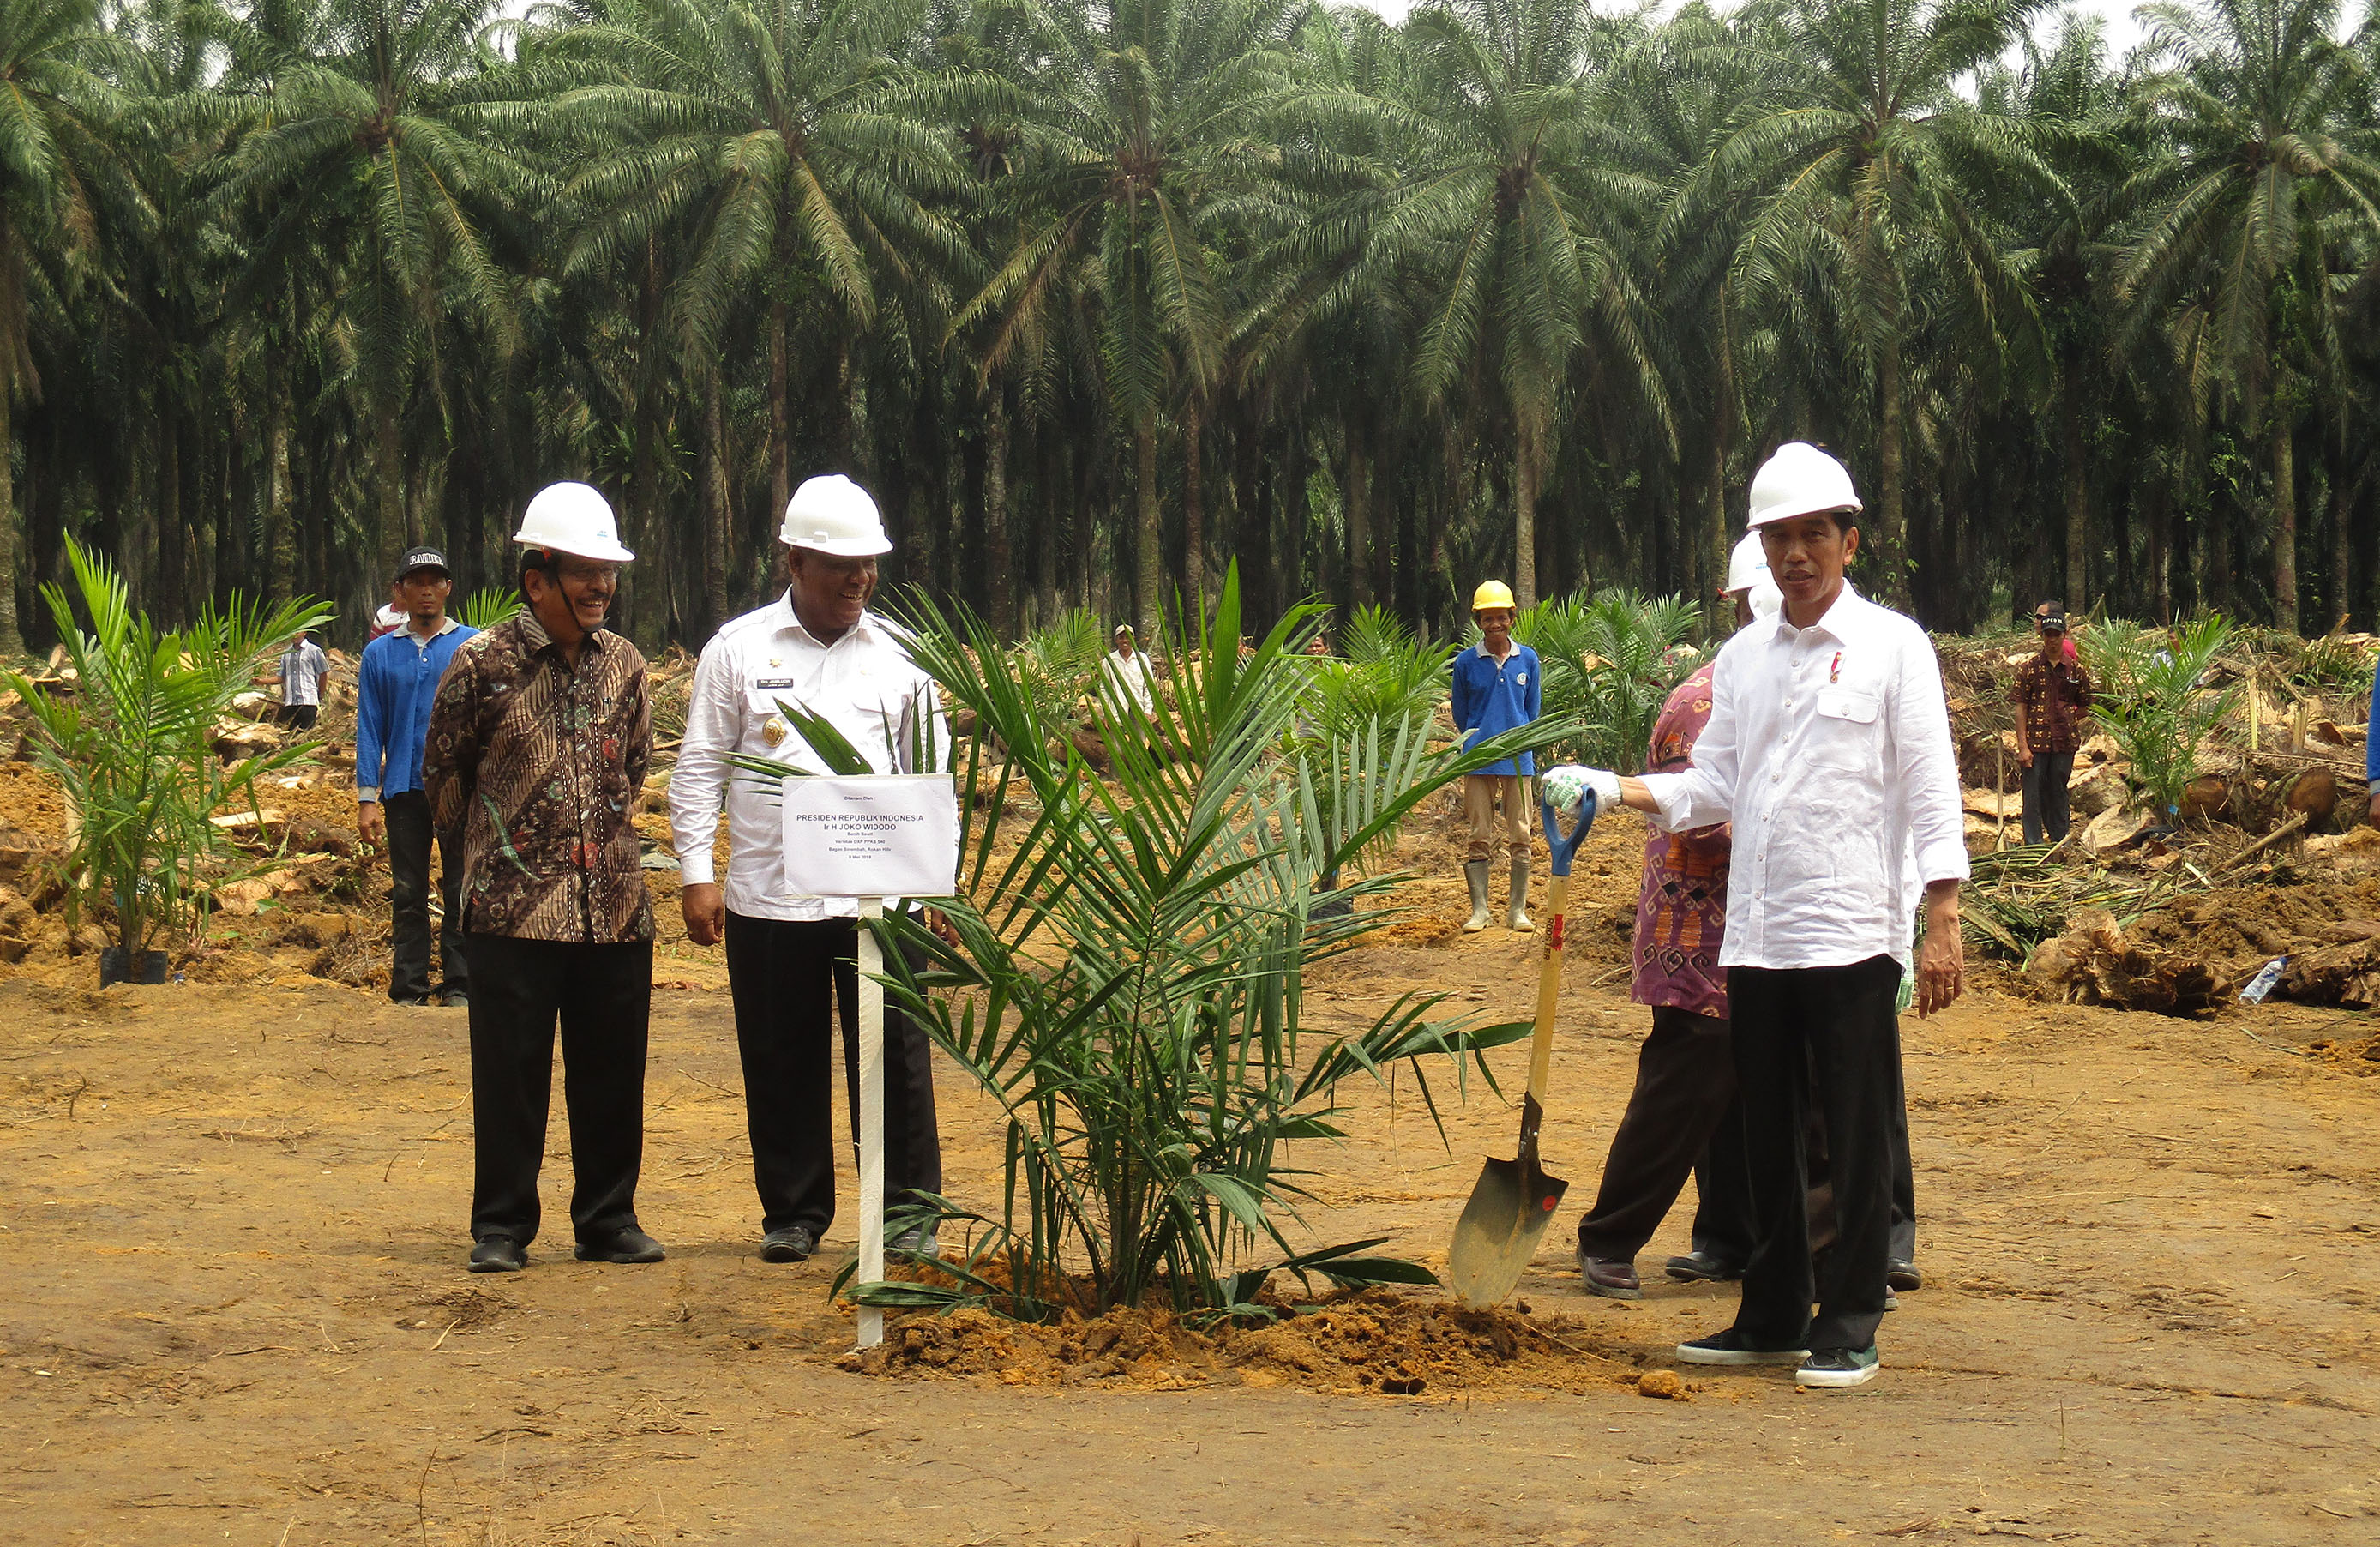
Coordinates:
<point>1682,909</point>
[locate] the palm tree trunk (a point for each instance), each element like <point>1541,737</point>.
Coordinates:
<point>2285,525</point>
<point>2152,557</point>
<point>1715,512</point>
<point>173,543</point>
<point>781,484</point>
<point>715,503</point>
<point>388,459</point>
<point>1724,411</point>
<point>1892,530</point>
<point>650,594</point>
<point>1148,561</point>
<point>280,531</point>
<point>1525,515</point>
<point>2342,545</point>
<point>1357,498</point>
<point>12,639</point>
<point>2077,512</point>
<point>998,556</point>
<point>1194,513</point>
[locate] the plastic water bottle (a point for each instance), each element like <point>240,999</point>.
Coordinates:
<point>2262,984</point>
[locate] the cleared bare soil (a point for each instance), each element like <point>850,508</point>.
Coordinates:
<point>232,1228</point>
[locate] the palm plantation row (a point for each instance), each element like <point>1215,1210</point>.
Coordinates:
<point>1096,296</point>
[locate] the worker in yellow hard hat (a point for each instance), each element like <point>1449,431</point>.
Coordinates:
<point>1497,687</point>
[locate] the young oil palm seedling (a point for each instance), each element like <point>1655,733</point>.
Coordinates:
<point>1128,981</point>
<point>132,747</point>
<point>2154,701</point>
<point>1611,660</point>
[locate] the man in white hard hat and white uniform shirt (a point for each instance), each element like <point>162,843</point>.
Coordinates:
<point>538,744</point>
<point>792,955</point>
<point>1828,747</point>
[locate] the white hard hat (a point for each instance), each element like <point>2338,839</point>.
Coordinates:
<point>1747,569</point>
<point>1747,566</point>
<point>832,515</point>
<point>1799,480</point>
<point>572,519</point>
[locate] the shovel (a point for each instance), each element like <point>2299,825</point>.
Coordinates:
<point>1513,1199</point>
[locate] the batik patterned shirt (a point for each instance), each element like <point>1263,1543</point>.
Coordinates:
<point>2055,701</point>
<point>538,764</point>
<point>1681,908</point>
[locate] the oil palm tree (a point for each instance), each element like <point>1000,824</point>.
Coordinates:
<point>1868,151</point>
<point>2263,121</point>
<point>785,136</point>
<point>368,127</point>
<point>1151,111</point>
<point>1499,210</point>
<point>59,119</point>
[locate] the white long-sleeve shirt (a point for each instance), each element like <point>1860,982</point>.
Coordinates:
<point>1126,683</point>
<point>1829,749</point>
<point>864,683</point>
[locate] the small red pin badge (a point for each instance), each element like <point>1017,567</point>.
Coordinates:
<point>1835,672</point>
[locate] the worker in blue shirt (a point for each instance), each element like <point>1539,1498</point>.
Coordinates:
<point>2372,757</point>
<point>394,688</point>
<point>1495,690</point>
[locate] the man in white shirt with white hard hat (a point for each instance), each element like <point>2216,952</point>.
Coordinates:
<point>1829,749</point>
<point>791,954</point>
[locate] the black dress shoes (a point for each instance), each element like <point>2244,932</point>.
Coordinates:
<point>630,1245</point>
<point>498,1254</point>
<point>1701,1267</point>
<point>1901,1276</point>
<point>793,1244</point>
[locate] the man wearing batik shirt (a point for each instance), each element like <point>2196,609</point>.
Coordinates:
<point>537,744</point>
<point>2053,705</point>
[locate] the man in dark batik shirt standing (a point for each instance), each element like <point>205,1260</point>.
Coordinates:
<point>2052,699</point>
<point>537,750</point>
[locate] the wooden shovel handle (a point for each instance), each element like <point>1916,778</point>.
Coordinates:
<point>1541,1041</point>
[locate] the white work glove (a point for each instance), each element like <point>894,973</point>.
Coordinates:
<point>1561,787</point>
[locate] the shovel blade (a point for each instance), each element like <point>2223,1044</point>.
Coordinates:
<point>1510,1206</point>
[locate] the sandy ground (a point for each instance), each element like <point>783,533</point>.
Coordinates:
<point>231,1231</point>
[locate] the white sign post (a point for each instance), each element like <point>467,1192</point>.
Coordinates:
<point>872,837</point>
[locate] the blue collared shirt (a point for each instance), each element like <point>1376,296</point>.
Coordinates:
<point>1492,697</point>
<point>2372,747</point>
<point>394,688</point>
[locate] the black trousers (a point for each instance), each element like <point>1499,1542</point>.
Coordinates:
<point>1675,1125</point>
<point>1827,1037</point>
<point>2045,796</point>
<point>602,998</point>
<point>409,833</point>
<point>786,978</point>
<point>298,717</point>
<point>1685,1090</point>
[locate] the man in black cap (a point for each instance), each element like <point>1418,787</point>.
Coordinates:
<point>394,688</point>
<point>2052,699</point>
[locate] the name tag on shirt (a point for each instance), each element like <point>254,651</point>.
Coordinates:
<point>768,682</point>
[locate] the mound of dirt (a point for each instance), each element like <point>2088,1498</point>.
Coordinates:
<point>2359,1055</point>
<point>1362,1342</point>
<point>2189,957</point>
<point>2097,962</point>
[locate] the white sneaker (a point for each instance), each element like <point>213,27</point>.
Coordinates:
<point>1834,1367</point>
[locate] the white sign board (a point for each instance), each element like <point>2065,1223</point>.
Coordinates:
<point>872,834</point>
<point>872,837</point>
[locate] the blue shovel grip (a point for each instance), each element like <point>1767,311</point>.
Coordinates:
<point>1558,847</point>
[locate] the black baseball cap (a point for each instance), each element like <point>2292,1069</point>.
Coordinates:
<point>2052,617</point>
<point>422,558</point>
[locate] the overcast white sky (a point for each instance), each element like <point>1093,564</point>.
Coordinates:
<point>2122,31</point>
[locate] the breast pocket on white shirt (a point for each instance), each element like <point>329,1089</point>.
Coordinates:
<point>1843,731</point>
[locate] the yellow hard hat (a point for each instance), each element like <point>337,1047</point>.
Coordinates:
<point>1491,593</point>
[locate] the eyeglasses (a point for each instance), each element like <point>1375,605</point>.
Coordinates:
<point>590,574</point>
